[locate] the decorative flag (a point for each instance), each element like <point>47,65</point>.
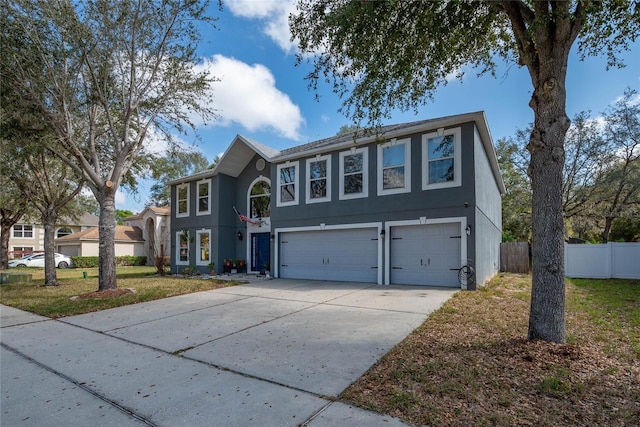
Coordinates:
<point>245,218</point>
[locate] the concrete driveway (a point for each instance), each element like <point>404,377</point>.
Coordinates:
<point>267,353</point>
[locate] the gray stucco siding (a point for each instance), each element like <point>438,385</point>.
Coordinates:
<point>353,210</point>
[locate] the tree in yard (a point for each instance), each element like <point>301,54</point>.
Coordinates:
<point>13,206</point>
<point>382,55</point>
<point>104,75</point>
<point>44,181</point>
<point>619,196</point>
<point>516,202</point>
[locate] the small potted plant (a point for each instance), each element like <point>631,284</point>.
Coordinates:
<point>267,269</point>
<point>212,268</point>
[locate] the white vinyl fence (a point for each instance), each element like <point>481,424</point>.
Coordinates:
<point>604,261</point>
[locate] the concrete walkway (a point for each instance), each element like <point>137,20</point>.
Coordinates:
<point>267,353</point>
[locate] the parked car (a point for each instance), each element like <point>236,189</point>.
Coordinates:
<point>37,260</point>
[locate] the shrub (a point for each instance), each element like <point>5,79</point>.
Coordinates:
<point>92,261</point>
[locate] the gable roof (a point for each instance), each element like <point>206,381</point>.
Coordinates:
<point>124,233</point>
<point>157,210</point>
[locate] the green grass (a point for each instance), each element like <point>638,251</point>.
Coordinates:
<point>55,301</point>
<point>470,363</point>
<point>613,305</point>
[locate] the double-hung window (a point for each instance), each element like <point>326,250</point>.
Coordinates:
<point>394,167</point>
<point>288,184</point>
<point>319,179</point>
<point>203,244</point>
<point>22,231</point>
<point>441,159</point>
<point>182,200</point>
<point>182,247</point>
<point>354,167</point>
<point>204,198</point>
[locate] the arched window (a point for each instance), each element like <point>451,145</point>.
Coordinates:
<point>259,199</point>
<point>63,231</point>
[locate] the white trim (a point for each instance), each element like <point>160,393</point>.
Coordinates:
<point>327,178</point>
<point>178,187</point>
<point>376,225</point>
<point>178,261</point>
<point>457,159</point>
<point>254,182</point>
<point>22,231</point>
<point>365,173</point>
<point>198,183</point>
<point>296,184</point>
<point>421,222</point>
<point>200,261</point>
<point>407,167</point>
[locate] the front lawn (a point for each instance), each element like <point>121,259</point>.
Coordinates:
<point>470,364</point>
<point>56,301</point>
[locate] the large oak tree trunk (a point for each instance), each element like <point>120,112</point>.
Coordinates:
<point>107,229</point>
<point>5,230</point>
<point>50,278</point>
<point>547,317</point>
<point>7,219</point>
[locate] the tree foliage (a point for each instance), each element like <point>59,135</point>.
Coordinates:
<point>516,202</point>
<point>383,55</point>
<point>105,75</point>
<point>174,165</point>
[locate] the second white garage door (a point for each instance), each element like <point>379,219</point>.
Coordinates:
<point>343,255</point>
<point>425,254</point>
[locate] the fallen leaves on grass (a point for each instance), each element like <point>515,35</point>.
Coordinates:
<point>109,293</point>
<point>469,364</point>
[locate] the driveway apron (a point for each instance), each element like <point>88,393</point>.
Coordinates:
<point>267,353</point>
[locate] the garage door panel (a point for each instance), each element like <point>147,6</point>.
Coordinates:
<point>425,254</point>
<point>342,255</point>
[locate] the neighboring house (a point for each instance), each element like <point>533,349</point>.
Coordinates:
<point>128,241</point>
<point>28,237</point>
<point>155,225</point>
<point>410,206</point>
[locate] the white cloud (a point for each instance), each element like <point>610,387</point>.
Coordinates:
<point>121,198</point>
<point>274,13</point>
<point>247,95</point>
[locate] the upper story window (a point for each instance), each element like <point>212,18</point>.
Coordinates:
<point>288,184</point>
<point>22,231</point>
<point>354,167</point>
<point>441,159</point>
<point>260,199</point>
<point>319,179</point>
<point>204,199</point>
<point>182,200</point>
<point>64,231</point>
<point>394,167</point>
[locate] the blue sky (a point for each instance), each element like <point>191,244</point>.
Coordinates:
<point>263,95</point>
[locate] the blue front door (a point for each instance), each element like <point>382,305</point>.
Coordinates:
<point>259,251</point>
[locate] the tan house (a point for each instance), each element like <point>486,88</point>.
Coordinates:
<point>128,241</point>
<point>28,237</point>
<point>155,225</point>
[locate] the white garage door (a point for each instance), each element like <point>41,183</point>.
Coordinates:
<point>425,254</point>
<point>343,255</point>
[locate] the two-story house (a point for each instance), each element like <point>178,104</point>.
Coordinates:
<point>410,205</point>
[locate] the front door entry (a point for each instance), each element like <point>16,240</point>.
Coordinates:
<point>260,249</point>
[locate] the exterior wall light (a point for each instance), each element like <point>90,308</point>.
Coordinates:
<point>240,235</point>
<point>382,233</point>
<point>468,230</point>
